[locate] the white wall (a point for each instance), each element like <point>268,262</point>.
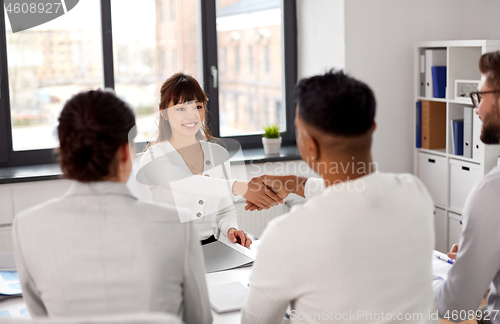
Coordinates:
<point>379,37</point>
<point>379,50</point>
<point>320,39</point>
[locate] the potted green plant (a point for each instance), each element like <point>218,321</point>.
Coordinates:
<point>271,140</point>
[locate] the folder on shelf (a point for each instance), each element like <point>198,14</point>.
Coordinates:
<point>439,81</point>
<point>433,125</point>
<point>452,137</point>
<point>477,145</point>
<point>422,72</point>
<point>458,135</point>
<point>432,58</point>
<point>468,115</point>
<point>419,124</point>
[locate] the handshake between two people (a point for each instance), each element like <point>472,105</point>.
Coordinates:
<point>266,191</point>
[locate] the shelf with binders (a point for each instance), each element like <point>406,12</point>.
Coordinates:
<point>432,73</point>
<point>431,126</point>
<point>450,177</point>
<point>461,60</point>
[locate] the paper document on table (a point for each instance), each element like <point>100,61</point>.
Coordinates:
<point>440,268</point>
<point>238,247</point>
<point>9,284</point>
<point>228,297</point>
<point>220,256</point>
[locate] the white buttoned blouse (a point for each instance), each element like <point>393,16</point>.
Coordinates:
<point>206,200</point>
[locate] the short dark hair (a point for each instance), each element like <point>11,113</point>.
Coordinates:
<point>336,104</point>
<point>489,65</point>
<point>92,126</point>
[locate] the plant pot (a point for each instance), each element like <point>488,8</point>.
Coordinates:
<point>271,145</point>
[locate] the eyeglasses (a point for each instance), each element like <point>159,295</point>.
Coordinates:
<point>476,96</point>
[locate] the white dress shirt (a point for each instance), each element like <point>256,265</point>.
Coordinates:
<point>358,252</point>
<point>97,250</point>
<point>206,200</point>
<point>477,266</point>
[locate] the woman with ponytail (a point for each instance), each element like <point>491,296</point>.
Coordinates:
<point>97,250</point>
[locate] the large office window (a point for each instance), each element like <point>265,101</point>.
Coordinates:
<point>257,26</point>
<point>133,49</point>
<point>150,50</point>
<point>46,66</point>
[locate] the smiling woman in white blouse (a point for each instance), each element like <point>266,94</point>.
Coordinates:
<point>184,166</point>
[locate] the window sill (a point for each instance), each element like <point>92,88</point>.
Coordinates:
<point>53,171</point>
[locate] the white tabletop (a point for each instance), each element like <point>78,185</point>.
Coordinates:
<point>216,278</point>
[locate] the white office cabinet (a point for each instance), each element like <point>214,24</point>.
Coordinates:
<point>432,172</point>
<point>454,228</point>
<point>441,230</point>
<point>463,177</point>
<point>450,177</point>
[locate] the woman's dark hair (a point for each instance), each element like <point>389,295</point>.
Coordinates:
<point>336,104</point>
<point>180,88</point>
<point>92,126</point>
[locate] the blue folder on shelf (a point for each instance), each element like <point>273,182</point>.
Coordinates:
<point>419,125</point>
<point>439,81</point>
<point>458,133</point>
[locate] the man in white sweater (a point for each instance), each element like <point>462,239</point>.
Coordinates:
<point>344,254</point>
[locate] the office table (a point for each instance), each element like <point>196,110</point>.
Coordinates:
<point>16,305</point>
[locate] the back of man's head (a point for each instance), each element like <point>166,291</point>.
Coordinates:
<point>336,104</point>
<point>489,65</point>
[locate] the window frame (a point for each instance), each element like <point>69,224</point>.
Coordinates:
<point>9,157</point>
<point>289,71</point>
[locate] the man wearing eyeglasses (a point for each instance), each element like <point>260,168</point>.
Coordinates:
<point>477,265</point>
